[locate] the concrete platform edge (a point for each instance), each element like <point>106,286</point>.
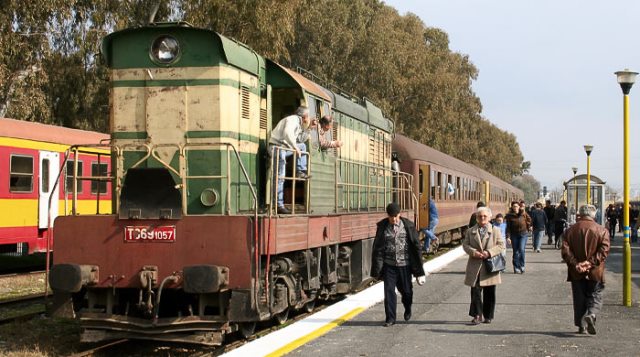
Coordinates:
<point>289,338</point>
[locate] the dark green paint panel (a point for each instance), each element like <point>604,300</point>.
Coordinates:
<point>322,188</point>
<point>182,83</point>
<point>221,134</point>
<point>129,135</point>
<point>214,162</point>
<point>198,48</point>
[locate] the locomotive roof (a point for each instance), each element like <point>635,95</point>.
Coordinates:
<point>20,129</point>
<point>408,149</point>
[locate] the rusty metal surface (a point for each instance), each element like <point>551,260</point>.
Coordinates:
<point>99,240</point>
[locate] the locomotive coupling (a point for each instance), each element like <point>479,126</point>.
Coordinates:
<point>71,277</point>
<point>203,279</point>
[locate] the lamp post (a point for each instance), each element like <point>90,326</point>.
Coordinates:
<point>626,79</point>
<point>575,185</point>
<point>588,149</point>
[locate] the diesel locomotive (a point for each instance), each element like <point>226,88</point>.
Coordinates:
<point>195,248</point>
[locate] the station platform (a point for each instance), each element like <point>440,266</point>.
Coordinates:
<point>534,317</point>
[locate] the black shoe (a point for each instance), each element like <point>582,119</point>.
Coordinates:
<point>302,175</point>
<point>407,315</point>
<point>283,210</point>
<point>389,323</point>
<point>487,321</point>
<point>590,321</point>
<point>582,331</point>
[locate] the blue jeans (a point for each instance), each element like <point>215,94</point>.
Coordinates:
<point>518,243</point>
<point>429,235</point>
<point>301,165</point>
<point>537,239</point>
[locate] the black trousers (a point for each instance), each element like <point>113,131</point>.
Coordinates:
<point>396,277</point>
<point>587,299</point>
<point>483,301</point>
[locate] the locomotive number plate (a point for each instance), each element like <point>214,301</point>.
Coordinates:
<point>150,234</point>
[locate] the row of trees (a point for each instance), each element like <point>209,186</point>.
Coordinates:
<point>49,70</point>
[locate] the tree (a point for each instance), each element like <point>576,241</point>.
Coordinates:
<point>529,185</point>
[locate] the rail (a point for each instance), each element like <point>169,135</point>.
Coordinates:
<point>152,151</point>
<point>373,182</point>
<point>275,154</point>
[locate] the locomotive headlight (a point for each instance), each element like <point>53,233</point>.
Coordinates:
<point>165,49</point>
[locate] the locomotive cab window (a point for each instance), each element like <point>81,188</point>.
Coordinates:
<point>69,181</point>
<point>21,174</point>
<point>98,169</point>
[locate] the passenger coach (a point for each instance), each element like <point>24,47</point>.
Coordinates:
<point>31,156</point>
<point>454,185</point>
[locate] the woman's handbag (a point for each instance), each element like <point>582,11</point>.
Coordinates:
<point>495,264</point>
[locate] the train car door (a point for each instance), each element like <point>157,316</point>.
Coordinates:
<point>485,193</point>
<point>49,167</point>
<point>424,175</point>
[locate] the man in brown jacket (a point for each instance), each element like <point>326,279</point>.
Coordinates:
<point>585,250</point>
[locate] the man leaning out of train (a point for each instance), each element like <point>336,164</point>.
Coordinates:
<point>480,242</point>
<point>395,258</point>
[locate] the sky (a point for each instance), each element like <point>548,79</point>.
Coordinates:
<point>546,74</point>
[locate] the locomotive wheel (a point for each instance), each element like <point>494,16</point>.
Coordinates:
<point>247,329</point>
<point>281,317</point>
<point>309,306</point>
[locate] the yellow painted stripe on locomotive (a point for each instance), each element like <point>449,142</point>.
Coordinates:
<point>186,108</point>
<point>39,145</point>
<point>315,334</point>
<point>24,212</point>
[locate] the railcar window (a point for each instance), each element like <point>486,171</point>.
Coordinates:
<point>44,176</point>
<point>458,194</point>
<point>69,182</point>
<point>98,169</point>
<point>420,183</point>
<point>21,174</point>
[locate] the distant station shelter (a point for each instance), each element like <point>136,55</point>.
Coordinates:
<point>578,186</point>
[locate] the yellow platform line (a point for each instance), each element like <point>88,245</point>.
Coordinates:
<point>315,334</point>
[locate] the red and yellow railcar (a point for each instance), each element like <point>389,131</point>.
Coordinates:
<point>31,158</point>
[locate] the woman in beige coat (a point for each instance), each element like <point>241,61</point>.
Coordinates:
<point>481,242</point>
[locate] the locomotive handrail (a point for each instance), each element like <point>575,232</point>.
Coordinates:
<point>151,151</point>
<point>63,168</point>
<point>373,172</point>
<point>228,176</point>
<point>275,157</point>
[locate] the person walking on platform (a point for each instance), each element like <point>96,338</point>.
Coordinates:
<point>472,219</point>
<point>396,256</point>
<point>633,222</point>
<point>560,221</point>
<point>585,250</point>
<point>539,222</point>
<point>480,242</point>
<point>612,217</point>
<point>549,211</point>
<point>518,225</point>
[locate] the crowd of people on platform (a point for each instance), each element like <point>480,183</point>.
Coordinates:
<point>584,248</point>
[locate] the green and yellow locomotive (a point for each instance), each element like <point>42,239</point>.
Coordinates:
<point>195,248</point>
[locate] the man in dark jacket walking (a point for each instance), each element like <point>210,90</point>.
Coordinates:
<point>396,256</point>
<point>539,222</point>
<point>518,226</point>
<point>585,249</point>
<point>549,211</point>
